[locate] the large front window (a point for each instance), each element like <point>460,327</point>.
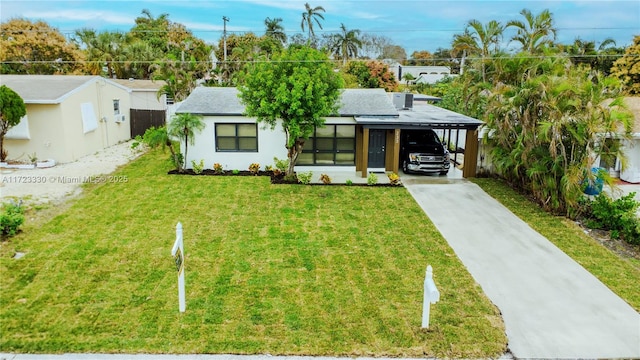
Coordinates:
<point>330,145</point>
<point>237,137</point>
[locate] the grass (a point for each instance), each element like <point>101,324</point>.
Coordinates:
<point>279,269</point>
<point>622,276</point>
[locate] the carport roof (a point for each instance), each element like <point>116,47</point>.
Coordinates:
<point>421,116</point>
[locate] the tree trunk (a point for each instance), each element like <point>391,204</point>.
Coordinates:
<point>3,155</point>
<point>293,152</point>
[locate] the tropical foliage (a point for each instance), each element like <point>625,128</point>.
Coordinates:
<point>547,123</point>
<point>309,17</point>
<point>346,44</point>
<point>184,126</point>
<point>296,90</point>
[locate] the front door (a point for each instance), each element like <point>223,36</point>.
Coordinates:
<point>377,140</point>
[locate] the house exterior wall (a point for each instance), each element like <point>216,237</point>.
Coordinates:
<point>148,100</point>
<point>56,130</point>
<point>631,173</point>
<point>46,135</point>
<point>109,132</point>
<point>271,143</point>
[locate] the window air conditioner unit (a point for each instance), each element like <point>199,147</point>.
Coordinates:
<point>120,118</point>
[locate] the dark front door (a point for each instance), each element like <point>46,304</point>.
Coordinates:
<point>377,140</point>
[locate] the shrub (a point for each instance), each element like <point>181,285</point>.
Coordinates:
<point>618,216</point>
<point>291,179</point>
<point>394,179</point>
<point>254,168</point>
<point>11,218</point>
<point>372,179</point>
<point>348,182</point>
<point>280,165</point>
<point>235,171</point>
<point>305,178</point>
<point>217,168</point>
<point>197,167</point>
<point>325,179</point>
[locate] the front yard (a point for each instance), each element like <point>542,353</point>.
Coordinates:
<point>279,269</point>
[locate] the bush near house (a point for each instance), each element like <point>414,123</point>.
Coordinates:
<point>11,218</point>
<point>618,216</point>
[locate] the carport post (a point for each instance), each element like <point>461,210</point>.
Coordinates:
<point>470,154</point>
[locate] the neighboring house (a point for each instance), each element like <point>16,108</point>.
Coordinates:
<point>364,136</point>
<point>67,117</point>
<point>147,108</point>
<point>421,74</point>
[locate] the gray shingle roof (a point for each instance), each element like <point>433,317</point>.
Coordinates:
<point>225,101</point>
<point>46,89</point>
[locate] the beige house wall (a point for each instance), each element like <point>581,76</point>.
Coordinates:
<point>46,132</point>
<point>57,130</point>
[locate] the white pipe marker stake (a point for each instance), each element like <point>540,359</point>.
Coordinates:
<point>178,255</point>
<point>431,296</point>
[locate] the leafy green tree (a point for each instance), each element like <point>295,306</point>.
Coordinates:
<point>535,32</point>
<point>28,47</point>
<point>184,127</point>
<point>627,68</point>
<point>479,39</point>
<point>12,109</point>
<point>297,89</point>
<point>309,16</point>
<point>346,44</point>
<point>275,30</point>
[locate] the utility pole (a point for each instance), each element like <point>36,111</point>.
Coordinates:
<point>224,36</point>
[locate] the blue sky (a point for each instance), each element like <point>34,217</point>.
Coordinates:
<point>414,25</point>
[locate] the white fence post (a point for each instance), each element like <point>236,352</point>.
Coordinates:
<point>178,255</point>
<point>431,296</point>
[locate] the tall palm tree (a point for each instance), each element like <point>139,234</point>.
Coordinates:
<point>346,44</point>
<point>536,32</point>
<point>309,16</point>
<point>275,29</point>
<point>479,39</point>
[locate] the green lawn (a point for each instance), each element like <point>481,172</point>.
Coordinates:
<point>622,276</point>
<point>279,269</point>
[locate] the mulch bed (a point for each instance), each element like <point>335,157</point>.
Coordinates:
<point>275,179</point>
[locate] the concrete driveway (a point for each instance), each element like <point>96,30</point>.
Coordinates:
<point>552,307</point>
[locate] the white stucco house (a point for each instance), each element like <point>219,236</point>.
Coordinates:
<point>421,74</point>
<point>147,108</point>
<point>363,136</point>
<point>67,117</point>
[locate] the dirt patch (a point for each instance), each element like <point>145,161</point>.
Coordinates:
<point>56,184</point>
<point>619,247</point>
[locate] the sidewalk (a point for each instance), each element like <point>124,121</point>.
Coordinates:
<point>552,307</point>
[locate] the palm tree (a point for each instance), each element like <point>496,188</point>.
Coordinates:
<point>309,16</point>
<point>536,32</point>
<point>346,44</point>
<point>275,30</point>
<point>479,39</point>
<point>184,126</point>
<point>102,49</point>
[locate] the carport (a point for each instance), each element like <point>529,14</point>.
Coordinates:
<point>382,150</point>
